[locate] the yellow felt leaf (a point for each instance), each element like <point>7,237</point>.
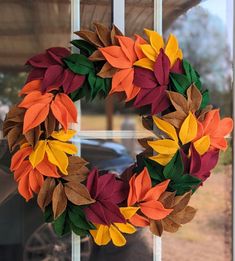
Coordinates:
<point>38,153</point>
<point>101,235</point>
<point>145,63</point>
<point>155,39</point>
<point>171,48</point>
<point>165,146</point>
<point>188,130</point>
<point>162,159</point>
<point>58,158</point>
<point>63,146</point>
<point>125,228</point>
<point>63,135</point>
<point>179,54</point>
<point>117,238</point>
<point>149,52</point>
<point>202,145</point>
<point>166,127</point>
<point>128,212</point>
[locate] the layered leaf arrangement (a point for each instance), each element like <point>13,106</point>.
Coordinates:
<point>155,192</point>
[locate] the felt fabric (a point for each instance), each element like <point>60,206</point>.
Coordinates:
<point>108,193</point>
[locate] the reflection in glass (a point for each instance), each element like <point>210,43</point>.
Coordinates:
<point>206,42</point>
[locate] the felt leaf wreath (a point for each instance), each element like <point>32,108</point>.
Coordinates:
<point>155,192</point>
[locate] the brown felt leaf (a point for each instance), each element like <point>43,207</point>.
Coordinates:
<point>115,31</point>
<point>147,122</point>
<point>77,166</point>
<point>50,124</point>
<point>107,71</point>
<point>59,200</point>
<point>103,33</point>
<point>96,56</point>
<point>203,113</point>
<point>181,213</point>
<point>13,127</point>
<point>178,101</point>
<point>194,98</point>
<point>32,136</point>
<point>175,118</point>
<point>156,227</point>
<point>189,214</point>
<point>91,37</point>
<point>77,193</point>
<point>46,192</point>
<point>180,202</point>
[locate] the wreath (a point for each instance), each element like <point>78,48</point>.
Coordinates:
<point>155,191</point>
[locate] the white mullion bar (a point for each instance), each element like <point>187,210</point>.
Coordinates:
<point>75,26</point>
<point>157,25</point>
<point>112,134</point>
<point>119,14</point>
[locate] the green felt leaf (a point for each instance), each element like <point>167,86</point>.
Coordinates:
<point>79,64</point>
<point>190,72</point>
<point>61,225</point>
<point>48,214</point>
<point>185,183</point>
<point>78,218</point>
<point>180,82</point>
<point>205,99</point>
<point>198,84</point>
<point>98,85</point>
<point>155,171</point>
<point>78,231</point>
<point>86,48</point>
<point>175,168</point>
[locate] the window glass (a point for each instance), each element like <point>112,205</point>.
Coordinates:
<point>205,36</point>
<point>26,29</point>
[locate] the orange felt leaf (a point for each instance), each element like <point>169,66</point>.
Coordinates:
<point>60,113</point>
<point>123,82</point>
<point>24,188</point>
<point>69,105</point>
<point>19,157</point>
<point>35,180</point>
<point>116,57</point>
<point>35,97</point>
<point>225,127</point>
<point>24,168</point>
<point>132,194</point>
<point>138,41</point>
<point>211,121</point>
<point>47,169</point>
<point>127,45</point>
<point>155,192</point>
<point>139,221</point>
<point>154,209</point>
<point>219,143</point>
<point>35,115</point>
<point>142,184</point>
<point>34,85</point>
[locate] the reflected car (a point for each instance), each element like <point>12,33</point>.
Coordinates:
<point>25,237</point>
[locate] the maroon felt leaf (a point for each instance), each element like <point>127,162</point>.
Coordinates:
<point>104,212</point>
<point>162,68</point>
<point>42,60</point>
<point>72,81</point>
<point>54,76</point>
<point>201,166</point>
<point>57,53</point>
<point>156,97</point>
<point>144,78</point>
<point>36,74</point>
<point>177,67</point>
<point>108,192</point>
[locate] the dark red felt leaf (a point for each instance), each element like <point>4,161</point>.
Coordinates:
<point>108,192</point>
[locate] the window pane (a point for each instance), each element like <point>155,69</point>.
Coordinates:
<point>26,28</point>
<point>205,36</point>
